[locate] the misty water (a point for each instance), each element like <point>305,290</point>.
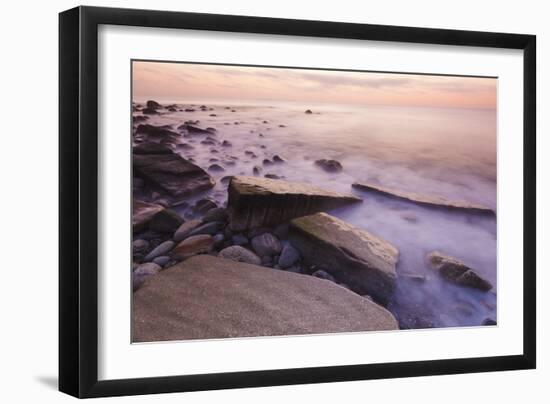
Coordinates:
<point>433,151</point>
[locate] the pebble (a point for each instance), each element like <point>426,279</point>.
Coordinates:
<point>266,244</point>
<point>183,231</point>
<point>207,228</point>
<point>162,260</point>
<point>240,254</point>
<point>165,221</point>
<point>289,256</point>
<point>140,245</point>
<point>161,249</point>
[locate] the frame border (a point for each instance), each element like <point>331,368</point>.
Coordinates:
<point>78,207</point>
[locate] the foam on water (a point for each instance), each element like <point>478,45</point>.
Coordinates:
<point>441,152</point>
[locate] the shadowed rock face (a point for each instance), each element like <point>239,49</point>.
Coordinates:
<point>209,297</point>
<point>255,202</point>
<point>355,257</point>
<point>455,271</point>
<point>142,213</point>
<point>172,173</point>
<point>426,200</point>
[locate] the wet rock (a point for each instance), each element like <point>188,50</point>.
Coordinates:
<point>267,162</point>
<point>216,168</point>
<point>149,111</point>
<point>193,245</point>
<point>194,130</point>
<point>204,205</point>
<point>240,254</point>
<point>153,104</point>
<point>308,111</point>
<point>259,302</point>
<point>255,202</point>
<point>218,239</point>
<point>156,132</point>
<point>226,143</point>
<point>166,221</point>
<point>266,245</point>
<point>425,200</point>
<point>161,249</point>
<point>353,256</point>
<point>226,179</point>
<point>183,231</point>
<point>172,173</point>
<point>215,215</point>
<point>256,170</point>
<point>239,239</point>
<point>162,260</point>
<point>142,213</point>
<point>140,118</point>
<point>151,148</point>
<point>278,159</point>
<point>140,246</point>
<point>189,110</point>
<point>289,256</point>
<point>282,126</point>
<point>272,176</point>
<point>321,274</point>
<point>208,142</point>
<point>455,271</point>
<point>207,228</point>
<point>489,321</point>
<point>331,166</point>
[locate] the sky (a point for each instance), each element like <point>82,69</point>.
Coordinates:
<point>173,82</point>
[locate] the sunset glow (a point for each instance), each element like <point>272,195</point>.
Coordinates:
<point>181,81</point>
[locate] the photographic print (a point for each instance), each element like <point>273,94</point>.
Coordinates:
<point>272,201</point>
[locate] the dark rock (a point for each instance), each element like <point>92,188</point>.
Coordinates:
<point>194,130</point>
<point>151,148</point>
<point>215,215</point>
<point>189,110</point>
<point>216,168</point>
<point>308,111</point>
<point>162,260</point>
<point>329,165</point>
<point>172,173</point>
<point>140,246</point>
<point>455,271</point>
<point>266,245</point>
<point>267,162</point>
<point>239,239</point>
<point>281,230</point>
<point>255,202</point>
<point>157,132</point>
<point>153,104</point>
<point>256,170</point>
<point>240,254</point>
<point>166,221</point>
<point>289,256</point>
<point>193,245</point>
<point>353,256</point>
<point>278,159</point>
<point>142,213</point>
<point>226,179</point>
<point>207,228</point>
<point>272,176</point>
<point>489,321</point>
<point>149,111</point>
<point>218,239</point>
<point>321,274</point>
<point>204,205</point>
<point>425,200</point>
<point>140,118</point>
<point>226,143</point>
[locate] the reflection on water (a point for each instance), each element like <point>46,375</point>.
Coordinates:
<point>436,151</point>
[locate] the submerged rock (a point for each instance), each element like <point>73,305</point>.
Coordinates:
<point>172,173</point>
<point>156,132</point>
<point>426,200</point>
<point>142,213</point>
<point>240,254</point>
<point>455,271</point>
<point>353,256</point>
<point>153,104</point>
<point>329,165</point>
<point>259,302</point>
<point>255,202</point>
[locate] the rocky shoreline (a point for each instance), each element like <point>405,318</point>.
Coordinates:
<point>267,224</point>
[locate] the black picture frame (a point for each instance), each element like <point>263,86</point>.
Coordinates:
<point>78,200</point>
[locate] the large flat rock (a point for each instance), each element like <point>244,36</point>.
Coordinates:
<point>172,173</point>
<point>255,202</point>
<point>426,200</point>
<point>210,297</point>
<point>353,256</point>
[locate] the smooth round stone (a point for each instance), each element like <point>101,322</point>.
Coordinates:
<point>140,245</point>
<point>289,256</point>
<point>161,249</point>
<point>266,244</point>
<point>183,231</point>
<point>240,254</point>
<point>162,260</point>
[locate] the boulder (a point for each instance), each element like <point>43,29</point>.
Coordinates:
<point>172,173</point>
<point>142,213</point>
<point>457,272</point>
<point>151,148</point>
<point>153,104</point>
<point>215,215</point>
<point>166,221</point>
<point>193,245</point>
<point>353,256</point>
<point>425,200</point>
<point>266,245</point>
<point>240,254</point>
<point>331,166</point>
<point>183,231</point>
<point>210,297</point>
<point>255,202</point>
